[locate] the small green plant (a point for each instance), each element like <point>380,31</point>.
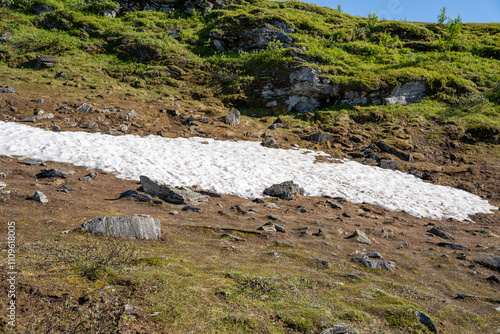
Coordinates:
<point>442,17</point>
<point>372,19</point>
<point>339,8</point>
<point>6,3</point>
<point>452,34</point>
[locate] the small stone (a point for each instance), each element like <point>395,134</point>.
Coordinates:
<point>86,108</point>
<point>373,255</point>
<point>384,265</point>
<point>320,233</point>
<point>269,142</point>
<point>233,237</point>
<point>339,328</point>
<point>6,89</point>
<point>285,190</point>
<point>55,128</point>
<point>267,228</point>
<point>334,205</point>
<point>389,164</point>
<point>52,173</point>
<point>87,125</point>
<point>493,278</point>
<point>453,246</point>
<point>33,162</point>
<point>40,197</point>
<point>272,104</point>
<point>173,213</point>
<point>87,179</point>
<point>192,208</point>
<point>131,113</point>
<point>324,263</point>
<point>426,321</point>
<point>272,206</point>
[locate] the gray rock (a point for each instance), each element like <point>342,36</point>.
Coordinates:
<point>385,265</point>
<point>272,206</point>
<point>87,125</point>
<point>219,46</point>
<point>272,104</point>
<point>33,162</point>
<point>131,113</point>
<point>4,39</point>
<point>426,321</point>
<point>268,228</point>
<point>86,108</point>
<point>493,278</point>
<point>42,8</point>
<point>440,233</point>
<point>269,142</point>
<point>360,236</point>
<point>492,262</point>
<point>40,197</point>
<point>260,38</point>
<point>408,93</point>
<point>389,164</point>
<point>31,119</point>
<point>6,89</point>
<point>391,150</point>
<point>373,255</point>
<point>453,246</point>
<point>233,118</point>
<point>52,173</point>
<point>285,190</point>
<point>171,194</point>
<point>136,226</point>
<point>339,328</point>
<point>109,13</point>
<point>2,185</point>
<point>44,61</point>
<point>87,179</point>
<point>324,263</point>
<point>55,128</point>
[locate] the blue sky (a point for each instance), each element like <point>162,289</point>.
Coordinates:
<point>419,10</point>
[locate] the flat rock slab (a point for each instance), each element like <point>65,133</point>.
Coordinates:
<point>52,173</point>
<point>385,265</point>
<point>492,262</point>
<point>360,236</point>
<point>136,226</point>
<point>453,246</point>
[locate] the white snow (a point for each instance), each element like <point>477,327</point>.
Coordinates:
<point>241,168</point>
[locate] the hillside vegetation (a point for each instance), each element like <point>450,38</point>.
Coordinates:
<point>175,52</point>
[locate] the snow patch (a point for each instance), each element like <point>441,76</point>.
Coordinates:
<point>241,168</point>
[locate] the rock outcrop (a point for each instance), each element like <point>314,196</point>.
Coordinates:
<point>284,190</point>
<point>410,92</point>
<point>136,226</point>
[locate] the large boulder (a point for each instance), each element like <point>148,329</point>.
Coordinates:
<point>136,226</point>
<point>286,190</point>
<point>169,194</point>
<point>492,262</point>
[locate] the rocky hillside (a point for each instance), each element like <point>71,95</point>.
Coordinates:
<point>421,98</point>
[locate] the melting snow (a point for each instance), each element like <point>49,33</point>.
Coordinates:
<point>241,168</point>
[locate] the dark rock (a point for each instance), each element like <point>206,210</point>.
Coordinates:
<point>136,226</point>
<point>453,246</point>
<point>269,142</point>
<point>493,278</point>
<point>286,190</point>
<point>136,195</point>
<point>40,197</point>
<point>52,173</point>
<point>233,118</point>
<point>86,108</point>
<point>255,39</point>
<point>492,262</point>
<point>324,263</point>
<point>41,8</point>
<point>320,233</point>
<point>171,194</point>
<point>426,321</point>
<point>391,150</point>
<point>339,328</point>
<point>259,200</point>
<point>334,205</point>
<point>6,89</point>
<point>191,208</point>
<point>55,128</point>
<point>174,33</point>
<point>321,136</point>
<point>45,62</point>
<point>389,164</point>
<point>440,233</point>
<point>385,265</point>
<point>33,162</point>
<point>302,209</point>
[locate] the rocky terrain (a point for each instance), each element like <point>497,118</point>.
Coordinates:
<point>99,254</point>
